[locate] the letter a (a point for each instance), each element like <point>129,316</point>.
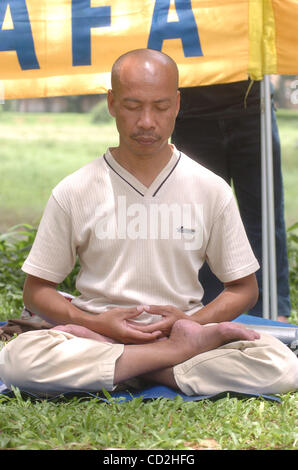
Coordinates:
<point>19,38</point>
<point>185,28</point>
<point>85,17</point>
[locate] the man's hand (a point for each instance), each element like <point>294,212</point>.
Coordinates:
<point>116,323</point>
<point>170,315</point>
<point>42,298</point>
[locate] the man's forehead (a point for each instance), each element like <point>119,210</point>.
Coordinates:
<point>141,86</point>
<point>151,70</point>
<point>142,96</point>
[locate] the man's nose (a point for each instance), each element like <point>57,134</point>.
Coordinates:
<point>146,119</point>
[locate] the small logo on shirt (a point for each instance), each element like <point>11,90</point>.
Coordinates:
<point>185,230</point>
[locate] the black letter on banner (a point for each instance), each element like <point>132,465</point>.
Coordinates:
<point>185,28</point>
<point>83,19</point>
<point>20,38</point>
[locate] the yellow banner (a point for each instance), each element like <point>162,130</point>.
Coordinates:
<point>67,47</point>
<point>273,33</point>
<point>286,25</point>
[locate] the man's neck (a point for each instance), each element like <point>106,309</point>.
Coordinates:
<point>146,168</point>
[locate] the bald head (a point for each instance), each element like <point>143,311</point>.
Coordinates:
<point>147,64</point>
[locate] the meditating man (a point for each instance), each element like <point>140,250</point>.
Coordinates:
<point>142,219</point>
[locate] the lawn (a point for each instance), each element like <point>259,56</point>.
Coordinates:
<point>228,423</point>
<point>288,124</point>
<point>37,150</point>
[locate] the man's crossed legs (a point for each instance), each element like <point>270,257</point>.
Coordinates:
<point>194,359</point>
<point>187,339</point>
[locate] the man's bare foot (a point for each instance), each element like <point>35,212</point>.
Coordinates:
<point>83,332</point>
<point>187,339</point>
<point>190,336</point>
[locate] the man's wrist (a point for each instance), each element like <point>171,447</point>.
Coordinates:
<point>205,315</point>
<point>80,317</point>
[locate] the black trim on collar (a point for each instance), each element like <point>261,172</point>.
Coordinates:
<point>122,176</point>
<point>161,184</point>
<point>167,176</point>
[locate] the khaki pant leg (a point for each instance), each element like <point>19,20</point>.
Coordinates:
<point>52,361</point>
<point>263,366</point>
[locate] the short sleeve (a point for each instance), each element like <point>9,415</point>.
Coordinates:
<point>53,253</point>
<point>229,253</point>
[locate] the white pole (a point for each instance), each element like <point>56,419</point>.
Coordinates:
<point>265,255</point>
<point>269,235</point>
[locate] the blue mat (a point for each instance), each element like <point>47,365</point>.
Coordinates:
<point>250,320</point>
<point>156,391</point>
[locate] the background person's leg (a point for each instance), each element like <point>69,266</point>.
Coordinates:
<point>245,164</point>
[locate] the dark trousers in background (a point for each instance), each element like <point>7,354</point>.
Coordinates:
<point>231,148</point>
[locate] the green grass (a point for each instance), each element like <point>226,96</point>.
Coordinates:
<point>38,150</point>
<point>228,423</point>
<point>287,125</point>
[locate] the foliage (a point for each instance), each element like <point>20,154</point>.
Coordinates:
<point>287,115</point>
<point>14,248</point>
<point>100,113</point>
<point>6,106</point>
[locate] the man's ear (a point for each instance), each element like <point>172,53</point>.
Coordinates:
<point>111,102</point>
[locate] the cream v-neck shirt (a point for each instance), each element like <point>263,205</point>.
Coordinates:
<point>139,245</point>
